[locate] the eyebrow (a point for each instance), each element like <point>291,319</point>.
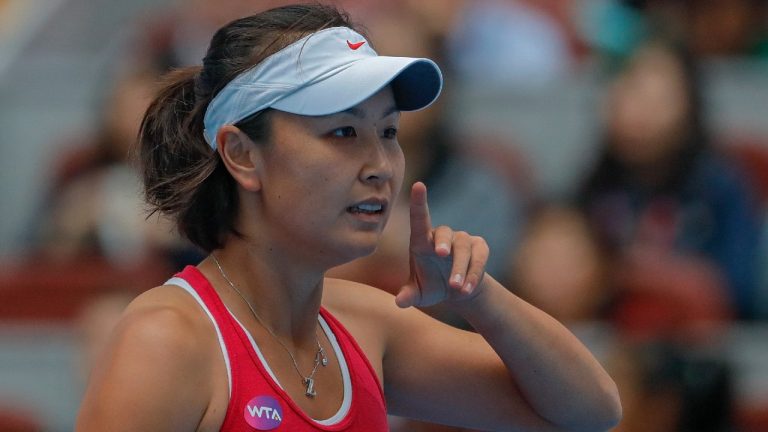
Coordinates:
<point>359,113</point>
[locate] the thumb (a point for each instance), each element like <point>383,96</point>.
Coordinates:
<point>408,296</point>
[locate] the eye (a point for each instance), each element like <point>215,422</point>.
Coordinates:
<point>390,133</point>
<point>344,132</point>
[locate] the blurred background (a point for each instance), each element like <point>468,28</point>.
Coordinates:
<point>614,153</point>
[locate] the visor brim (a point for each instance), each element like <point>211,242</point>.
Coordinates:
<point>416,84</point>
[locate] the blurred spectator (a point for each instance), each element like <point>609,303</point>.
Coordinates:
<point>559,267</point>
<point>712,28</point>
<point>94,206</point>
<point>511,44</point>
<point>474,182</point>
<point>661,197</point>
<point>668,296</point>
<point>669,388</point>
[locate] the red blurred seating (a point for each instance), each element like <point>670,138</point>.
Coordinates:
<point>40,289</point>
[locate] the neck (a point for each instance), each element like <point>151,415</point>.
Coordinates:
<point>285,298</point>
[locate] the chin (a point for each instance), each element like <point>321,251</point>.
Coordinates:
<point>360,251</point>
<point>350,251</point>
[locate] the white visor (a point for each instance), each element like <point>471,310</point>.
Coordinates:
<point>323,73</point>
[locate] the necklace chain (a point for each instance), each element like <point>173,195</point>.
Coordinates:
<point>320,357</point>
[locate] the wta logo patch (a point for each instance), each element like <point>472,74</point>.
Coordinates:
<point>263,413</point>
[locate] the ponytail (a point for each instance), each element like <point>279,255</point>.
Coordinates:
<point>183,177</point>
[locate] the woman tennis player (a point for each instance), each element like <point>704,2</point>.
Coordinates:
<point>279,157</point>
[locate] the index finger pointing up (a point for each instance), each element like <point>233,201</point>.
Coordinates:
<point>421,225</point>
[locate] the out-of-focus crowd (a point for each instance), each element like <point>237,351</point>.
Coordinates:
<point>657,250</point>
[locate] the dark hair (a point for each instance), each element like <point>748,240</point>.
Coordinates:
<point>183,177</point>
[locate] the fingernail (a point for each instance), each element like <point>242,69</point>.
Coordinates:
<point>443,247</point>
<point>457,278</point>
<point>468,288</point>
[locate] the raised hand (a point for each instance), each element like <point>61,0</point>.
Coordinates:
<point>446,265</point>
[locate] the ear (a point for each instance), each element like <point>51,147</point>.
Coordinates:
<point>241,156</point>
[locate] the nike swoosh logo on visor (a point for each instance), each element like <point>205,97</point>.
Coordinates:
<point>355,45</point>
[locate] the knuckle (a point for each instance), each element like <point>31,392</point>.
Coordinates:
<point>463,246</point>
<point>462,236</point>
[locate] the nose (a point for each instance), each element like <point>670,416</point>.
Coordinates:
<point>379,163</point>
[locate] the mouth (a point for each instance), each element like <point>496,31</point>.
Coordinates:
<point>371,207</point>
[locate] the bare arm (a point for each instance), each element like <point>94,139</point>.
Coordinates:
<point>153,377</point>
<point>524,371</point>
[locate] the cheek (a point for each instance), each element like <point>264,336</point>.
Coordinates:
<point>292,188</point>
<point>398,164</point>
<point>312,186</point>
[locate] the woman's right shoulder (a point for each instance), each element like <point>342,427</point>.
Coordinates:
<point>158,361</point>
<point>165,315</point>
<point>163,297</point>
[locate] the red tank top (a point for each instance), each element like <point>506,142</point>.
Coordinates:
<point>257,402</point>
